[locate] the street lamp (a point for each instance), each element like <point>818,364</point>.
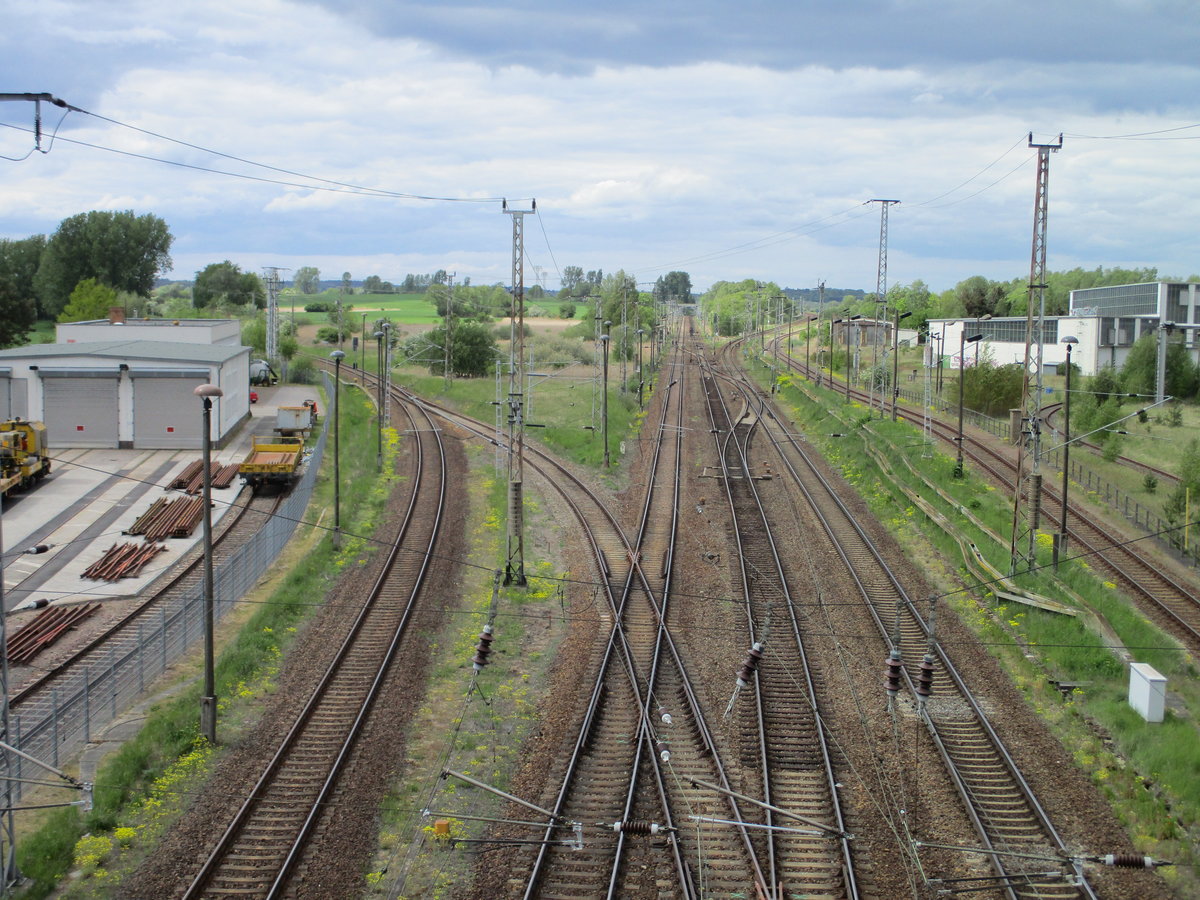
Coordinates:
<point>896,360</point>
<point>604,341</point>
<point>963,340</point>
<point>208,700</point>
<point>1060,545</point>
<point>337,356</point>
<point>641,381</point>
<point>847,330</point>
<point>379,410</point>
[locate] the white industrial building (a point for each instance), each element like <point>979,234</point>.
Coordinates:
<point>1106,321</point>
<point>129,384</point>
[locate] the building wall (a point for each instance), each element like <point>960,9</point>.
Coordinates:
<point>181,331</point>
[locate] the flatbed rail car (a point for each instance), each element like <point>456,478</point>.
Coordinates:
<point>272,461</point>
<point>23,459</point>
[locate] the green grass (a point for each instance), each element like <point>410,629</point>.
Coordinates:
<point>562,404</point>
<point>145,784</point>
<point>1166,757</point>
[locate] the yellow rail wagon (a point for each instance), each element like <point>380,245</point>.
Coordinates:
<point>272,460</point>
<point>23,459</point>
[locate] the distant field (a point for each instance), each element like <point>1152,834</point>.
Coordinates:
<point>405,309</point>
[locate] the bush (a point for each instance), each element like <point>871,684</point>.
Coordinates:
<point>327,334</point>
<point>302,371</point>
<point>1150,483</point>
<point>320,306</point>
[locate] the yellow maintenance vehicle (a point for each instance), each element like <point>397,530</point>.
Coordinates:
<point>23,459</point>
<point>272,460</point>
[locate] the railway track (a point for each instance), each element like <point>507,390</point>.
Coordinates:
<point>1008,819</point>
<point>615,771</point>
<point>785,743</point>
<point>267,841</point>
<point>1172,603</point>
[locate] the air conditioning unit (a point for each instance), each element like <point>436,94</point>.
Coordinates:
<point>1110,337</point>
<point>1124,337</point>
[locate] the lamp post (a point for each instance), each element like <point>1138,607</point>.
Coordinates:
<point>379,409</point>
<point>337,356</point>
<point>208,699</point>
<point>362,353</point>
<point>1060,545</point>
<point>641,380</point>
<point>896,360</point>
<point>604,341</point>
<point>963,340</point>
<point>847,329</point>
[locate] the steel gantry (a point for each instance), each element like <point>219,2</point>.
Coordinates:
<point>1026,513</point>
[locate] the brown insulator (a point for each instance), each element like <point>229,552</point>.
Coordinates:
<point>483,648</point>
<point>1130,861</point>
<point>750,666</point>
<point>664,752</point>
<point>664,715</point>
<point>636,826</point>
<point>925,678</point>
<point>892,675</point>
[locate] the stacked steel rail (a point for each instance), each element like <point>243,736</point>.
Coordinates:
<point>1007,817</point>
<point>269,835</point>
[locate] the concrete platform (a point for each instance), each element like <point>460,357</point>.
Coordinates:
<point>91,496</point>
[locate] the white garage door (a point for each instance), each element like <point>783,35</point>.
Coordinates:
<point>166,414</point>
<point>81,411</point>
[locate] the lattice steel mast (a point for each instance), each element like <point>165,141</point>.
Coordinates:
<point>514,566</point>
<point>1027,512</point>
<point>880,303</point>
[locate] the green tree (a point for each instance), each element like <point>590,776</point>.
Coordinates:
<point>254,334</point>
<point>307,280</point>
<point>1139,374</point>
<point>372,284</point>
<point>674,287</point>
<point>1187,492</point>
<point>472,352</point>
<point>225,284</point>
<point>992,389</point>
<point>980,297</point>
<point>89,300</point>
<point>566,310</point>
<point>288,348</point>
<point>571,276</point>
<point>120,249</point>
<point>19,261</point>
<point>347,284</point>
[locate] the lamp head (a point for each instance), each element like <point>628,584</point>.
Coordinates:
<point>208,391</point>
<point>337,355</point>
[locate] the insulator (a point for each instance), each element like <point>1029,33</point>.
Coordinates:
<point>925,678</point>
<point>746,672</point>
<point>39,548</point>
<point>664,752</point>
<point>892,676</point>
<point>483,648</point>
<point>664,715</point>
<point>1129,861</point>
<point>636,826</point>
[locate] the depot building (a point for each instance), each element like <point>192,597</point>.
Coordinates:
<point>129,383</point>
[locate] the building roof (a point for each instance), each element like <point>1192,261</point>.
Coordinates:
<point>123,351</point>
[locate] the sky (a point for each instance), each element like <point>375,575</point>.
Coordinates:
<point>727,140</point>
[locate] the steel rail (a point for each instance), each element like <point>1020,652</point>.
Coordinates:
<point>739,437</point>
<point>915,620</point>
<point>424,470</point>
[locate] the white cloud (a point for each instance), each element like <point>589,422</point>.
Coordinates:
<point>674,156</point>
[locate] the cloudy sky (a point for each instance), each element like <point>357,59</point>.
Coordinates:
<point>730,140</point>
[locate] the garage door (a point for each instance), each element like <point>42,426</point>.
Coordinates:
<point>81,411</point>
<point>166,414</point>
